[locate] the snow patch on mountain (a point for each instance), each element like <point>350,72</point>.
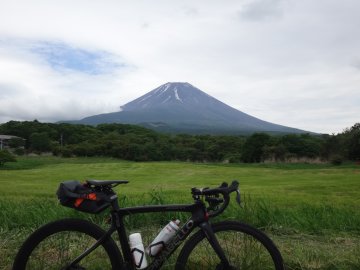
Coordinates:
<point>145,98</point>
<point>167,86</point>
<point>177,95</point>
<point>165,100</point>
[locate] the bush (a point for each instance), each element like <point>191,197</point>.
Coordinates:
<point>236,158</point>
<point>66,152</point>
<point>336,160</point>
<point>19,151</point>
<point>6,156</point>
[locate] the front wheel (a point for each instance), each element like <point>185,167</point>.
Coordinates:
<point>244,246</point>
<point>56,244</point>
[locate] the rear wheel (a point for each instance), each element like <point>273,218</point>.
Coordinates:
<point>56,244</point>
<point>244,246</point>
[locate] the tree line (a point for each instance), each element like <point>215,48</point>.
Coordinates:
<point>136,143</point>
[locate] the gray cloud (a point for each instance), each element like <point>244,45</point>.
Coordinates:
<point>190,11</point>
<point>356,64</point>
<point>262,10</point>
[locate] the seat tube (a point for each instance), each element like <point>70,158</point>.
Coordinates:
<point>118,222</point>
<point>210,235</point>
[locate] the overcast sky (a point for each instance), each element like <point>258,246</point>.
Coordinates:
<point>290,62</point>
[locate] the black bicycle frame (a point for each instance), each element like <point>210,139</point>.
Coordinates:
<point>199,218</point>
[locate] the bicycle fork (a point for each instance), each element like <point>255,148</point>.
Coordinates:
<point>210,235</point>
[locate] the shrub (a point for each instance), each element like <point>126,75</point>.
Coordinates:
<point>336,160</point>
<point>6,156</point>
<point>19,151</point>
<point>66,152</point>
<point>236,158</point>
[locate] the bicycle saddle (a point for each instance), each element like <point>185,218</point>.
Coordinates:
<point>106,182</point>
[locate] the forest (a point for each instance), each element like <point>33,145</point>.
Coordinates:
<point>130,142</point>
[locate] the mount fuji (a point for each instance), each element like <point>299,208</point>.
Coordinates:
<point>182,108</point>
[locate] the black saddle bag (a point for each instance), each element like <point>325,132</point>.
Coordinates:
<point>82,197</point>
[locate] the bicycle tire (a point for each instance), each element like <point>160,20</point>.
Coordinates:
<point>244,246</point>
<point>56,244</point>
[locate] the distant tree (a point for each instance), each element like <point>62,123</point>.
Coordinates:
<point>138,143</point>
<point>311,145</point>
<point>16,143</point>
<point>6,156</point>
<point>87,149</point>
<point>166,148</point>
<point>292,144</point>
<point>330,147</point>
<point>40,142</point>
<point>303,145</point>
<point>134,151</point>
<point>214,152</point>
<point>253,149</point>
<point>351,142</point>
<point>275,152</point>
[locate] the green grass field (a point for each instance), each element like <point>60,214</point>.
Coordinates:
<point>311,212</point>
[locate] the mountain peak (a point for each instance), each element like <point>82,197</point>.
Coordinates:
<point>172,89</point>
<point>168,94</point>
<point>173,84</point>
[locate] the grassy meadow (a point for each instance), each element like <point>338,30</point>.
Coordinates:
<point>312,212</point>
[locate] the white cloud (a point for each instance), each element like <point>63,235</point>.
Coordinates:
<point>33,89</point>
<point>285,61</point>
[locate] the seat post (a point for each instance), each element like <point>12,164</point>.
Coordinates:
<point>115,205</point>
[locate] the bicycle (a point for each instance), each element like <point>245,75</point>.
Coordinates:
<point>65,244</point>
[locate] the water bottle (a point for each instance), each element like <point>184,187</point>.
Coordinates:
<point>137,250</point>
<point>163,238</point>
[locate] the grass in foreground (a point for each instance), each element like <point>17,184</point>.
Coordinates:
<point>310,211</point>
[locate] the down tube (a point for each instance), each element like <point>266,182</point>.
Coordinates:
<point>173,245</point>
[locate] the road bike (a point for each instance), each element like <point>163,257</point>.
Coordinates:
<point>77,244</point>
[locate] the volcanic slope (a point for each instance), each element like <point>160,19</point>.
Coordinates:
<point>181,107</point>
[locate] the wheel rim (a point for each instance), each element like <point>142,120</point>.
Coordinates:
<point>242,250</point>
<point>58,250</point>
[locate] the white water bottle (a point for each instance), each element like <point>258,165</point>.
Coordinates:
<point>163,238</point>
<point>137,250</point>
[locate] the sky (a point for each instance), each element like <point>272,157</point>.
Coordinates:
<point>294,63</point>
